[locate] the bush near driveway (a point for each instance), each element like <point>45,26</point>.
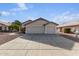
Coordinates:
<point>67,30</point>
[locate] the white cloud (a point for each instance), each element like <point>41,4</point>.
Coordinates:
<point>30,18</point>
<point>20,7</point>
<point>66,17</point>
<point>5,13</point>
<point>13,13</point>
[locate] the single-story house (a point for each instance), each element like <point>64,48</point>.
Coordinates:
<point>4,26</point>
<point>40,25</point>
<point>73,26</point>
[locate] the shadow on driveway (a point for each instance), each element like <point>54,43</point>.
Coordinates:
<point>53,40</point>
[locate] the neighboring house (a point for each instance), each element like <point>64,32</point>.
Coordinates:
<point>4,26</point>
<point>40,25</point>
<point>73,26</point>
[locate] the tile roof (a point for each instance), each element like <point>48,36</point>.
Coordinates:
<point>69,24</point>
<point>40,19</point>
<point>5,23</point>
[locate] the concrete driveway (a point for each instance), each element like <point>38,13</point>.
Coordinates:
<point>40,44</point>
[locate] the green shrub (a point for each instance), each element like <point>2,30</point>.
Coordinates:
<point>67,30</point>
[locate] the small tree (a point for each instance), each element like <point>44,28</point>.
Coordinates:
<point>17,22</point>
<point>15,26</point>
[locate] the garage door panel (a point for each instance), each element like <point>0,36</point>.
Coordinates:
<point>35,29</point>
<point>50,30</point>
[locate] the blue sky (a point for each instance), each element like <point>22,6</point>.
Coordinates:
<point>58,13</point>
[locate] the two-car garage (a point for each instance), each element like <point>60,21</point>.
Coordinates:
<point>41,30</point>
<point>48,29</point>
<point>41,26</point>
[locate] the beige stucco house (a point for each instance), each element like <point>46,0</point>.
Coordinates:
<point>73,26</point>
<point>4,26</point>
<point>40,25</point>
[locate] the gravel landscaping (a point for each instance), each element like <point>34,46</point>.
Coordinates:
<point>5,37</point>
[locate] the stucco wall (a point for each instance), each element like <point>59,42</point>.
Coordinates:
<point>36,23</point>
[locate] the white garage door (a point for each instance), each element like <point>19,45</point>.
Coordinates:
<point>35,29</point>
<point>50,30</point>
